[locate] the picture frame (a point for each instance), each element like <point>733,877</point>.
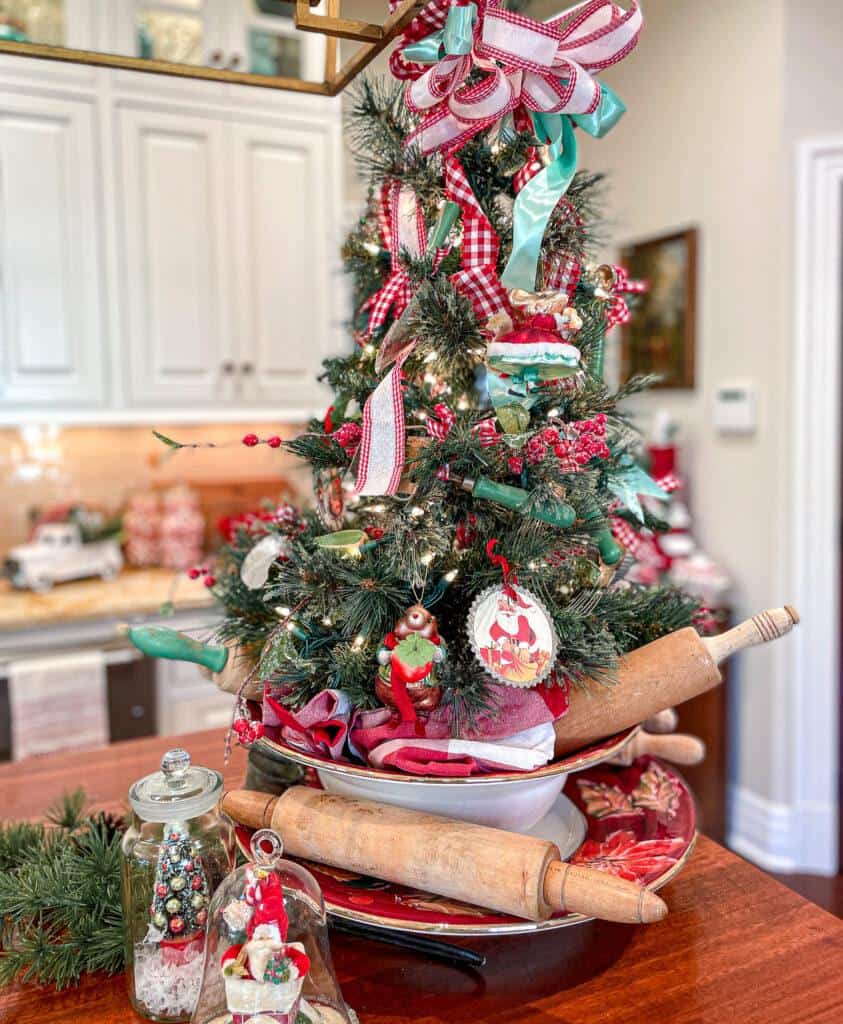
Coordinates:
<point>661,337</point>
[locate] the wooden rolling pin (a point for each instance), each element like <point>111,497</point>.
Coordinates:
<point>668,671</point>
<point>504,871</point>
<point>680,748</point>
<point>662,721</point>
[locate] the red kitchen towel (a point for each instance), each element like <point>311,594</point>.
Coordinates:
<point>523,752</point>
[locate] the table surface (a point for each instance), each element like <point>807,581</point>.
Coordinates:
<point>736,947</point>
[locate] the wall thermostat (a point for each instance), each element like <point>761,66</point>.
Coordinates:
<point>736,408</point>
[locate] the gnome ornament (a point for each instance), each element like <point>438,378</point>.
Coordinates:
<point>408,656</point>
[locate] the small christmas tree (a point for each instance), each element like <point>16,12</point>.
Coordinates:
<point>180,901</point>
<point>473,461</point>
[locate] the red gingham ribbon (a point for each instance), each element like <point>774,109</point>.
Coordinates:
<point>625,533</point>
<point>478,278</point>
<point>618,311</point>
<point>430,19</point>
<point>439,425</point>
<point>397,234</point>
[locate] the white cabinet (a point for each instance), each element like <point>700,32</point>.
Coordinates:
<point>175,288</point>
<point>51,315</point>
<point>226,237</point>
<point>283,259</point>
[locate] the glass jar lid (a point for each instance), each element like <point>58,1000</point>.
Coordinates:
<point>179,790</point>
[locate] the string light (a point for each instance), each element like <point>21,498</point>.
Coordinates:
<point>427,557</point>
<point>359,640</point>
<point>462,404</point>
<point>282,611</point>
<point>369,349</point>
<point>377,508</point>
<point>431,356</point>
<point>291,626</point>
<point>416,511</point>
<point>552,412</point>
<point>327,622</point>
<point>452,575</point>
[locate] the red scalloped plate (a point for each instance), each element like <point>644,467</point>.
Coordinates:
<point>641,825</point>
<point>576,761</point>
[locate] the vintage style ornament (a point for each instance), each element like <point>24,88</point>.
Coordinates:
<point>406,679</point>
<point>512,635</point>
<point>254,571</point>
<point>330,497</point>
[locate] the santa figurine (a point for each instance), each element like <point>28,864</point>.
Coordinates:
<point>264,975</point>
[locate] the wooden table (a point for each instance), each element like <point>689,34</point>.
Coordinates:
<point>737,946</point>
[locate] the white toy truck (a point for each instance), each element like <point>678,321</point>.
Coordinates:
<point>57,553</point>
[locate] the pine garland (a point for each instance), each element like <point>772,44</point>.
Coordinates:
<point>60,914</point>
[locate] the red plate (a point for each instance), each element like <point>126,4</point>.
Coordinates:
<point>641,825</point>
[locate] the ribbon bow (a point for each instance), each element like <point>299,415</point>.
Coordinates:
<point>541,68</point>
<point>439,425</point>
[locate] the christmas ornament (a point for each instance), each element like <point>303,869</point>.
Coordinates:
<point>409,654</point>
<point>556,513</point>
<point>183,913</point>
<point>512,635</point>
<point>267,926</point>
<point>346,542</point>
<point>330,497</point>
<point>532,347</point>
<point>254,570</point>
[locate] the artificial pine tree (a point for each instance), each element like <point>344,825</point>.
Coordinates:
<point>473,463</point>
<point>180,895</point>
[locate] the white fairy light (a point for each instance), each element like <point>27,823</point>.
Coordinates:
<point>427,557</point>
<point>369,349</point>
<point>377,508</point>
<point>359,640</point>
<point>430,378</point>
<point>416,511</point>
<point>282,611</point>
<point>327,622</point>
<point>462,404</point>
<point>291,626</point>
<point>452,575</point>
<point>431,356</point>
<point>552,412</point>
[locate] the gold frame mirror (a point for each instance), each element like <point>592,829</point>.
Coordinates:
<point>373,37</point>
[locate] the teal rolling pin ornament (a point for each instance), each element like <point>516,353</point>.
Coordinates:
<point>227,666</point>
<point>159,642</point>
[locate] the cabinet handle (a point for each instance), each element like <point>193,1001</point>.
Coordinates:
<point>228,367</point>
<point>247,368</point>
<point>234,63</point>
<point>215,58</point>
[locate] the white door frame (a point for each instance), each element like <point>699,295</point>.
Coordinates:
<point>809,727</point>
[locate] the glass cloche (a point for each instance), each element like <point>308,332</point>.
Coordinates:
<point>175,853</point>
<point>267,952</point>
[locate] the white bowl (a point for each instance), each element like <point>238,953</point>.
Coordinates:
<point>514,801</point>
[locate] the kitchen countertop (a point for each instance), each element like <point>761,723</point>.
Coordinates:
<point>736,948</point>
<point>134,592</point>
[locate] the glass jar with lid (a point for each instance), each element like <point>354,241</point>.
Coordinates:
<point>175,853</point>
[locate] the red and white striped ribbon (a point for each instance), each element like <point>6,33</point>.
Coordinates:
<point>383,446</point>
<point>546,66</point>
<point>478,279</point>
<point>402,229</point>
<point>618,311</point>
<point>439,425</point>
<point>625,533</point>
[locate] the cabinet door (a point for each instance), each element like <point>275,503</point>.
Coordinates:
<point>174,240</point>
<point>262,39</point>
<point>286,264</point>
<point>51,328</point>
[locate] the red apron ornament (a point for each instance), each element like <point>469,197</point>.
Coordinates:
<point>406,679</point>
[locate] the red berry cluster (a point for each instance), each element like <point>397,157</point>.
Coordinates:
<point>196,571</point>
<point>250,440</point>
<point>575,446</point>
<point>348,436</point>
<point>247,731</point>
<point>466,531</point>
<point>373,532</point>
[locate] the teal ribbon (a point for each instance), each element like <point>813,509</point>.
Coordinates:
<point>454,40</point>
<point>631,480</point>
<point>535,203</point>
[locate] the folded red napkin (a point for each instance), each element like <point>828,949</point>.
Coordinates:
<point>320,727</point>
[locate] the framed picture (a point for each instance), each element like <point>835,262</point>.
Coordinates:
<point>660,338</point>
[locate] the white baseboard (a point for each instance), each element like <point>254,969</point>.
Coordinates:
<point>782,837</point>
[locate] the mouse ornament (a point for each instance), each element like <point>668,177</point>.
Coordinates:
<point>406,679</point>
<point>533,345</point>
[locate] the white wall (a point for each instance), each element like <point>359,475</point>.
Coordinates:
<point>701,144</point>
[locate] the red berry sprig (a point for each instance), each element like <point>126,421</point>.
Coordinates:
<point>252,440</point>
<point>208,578</point>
